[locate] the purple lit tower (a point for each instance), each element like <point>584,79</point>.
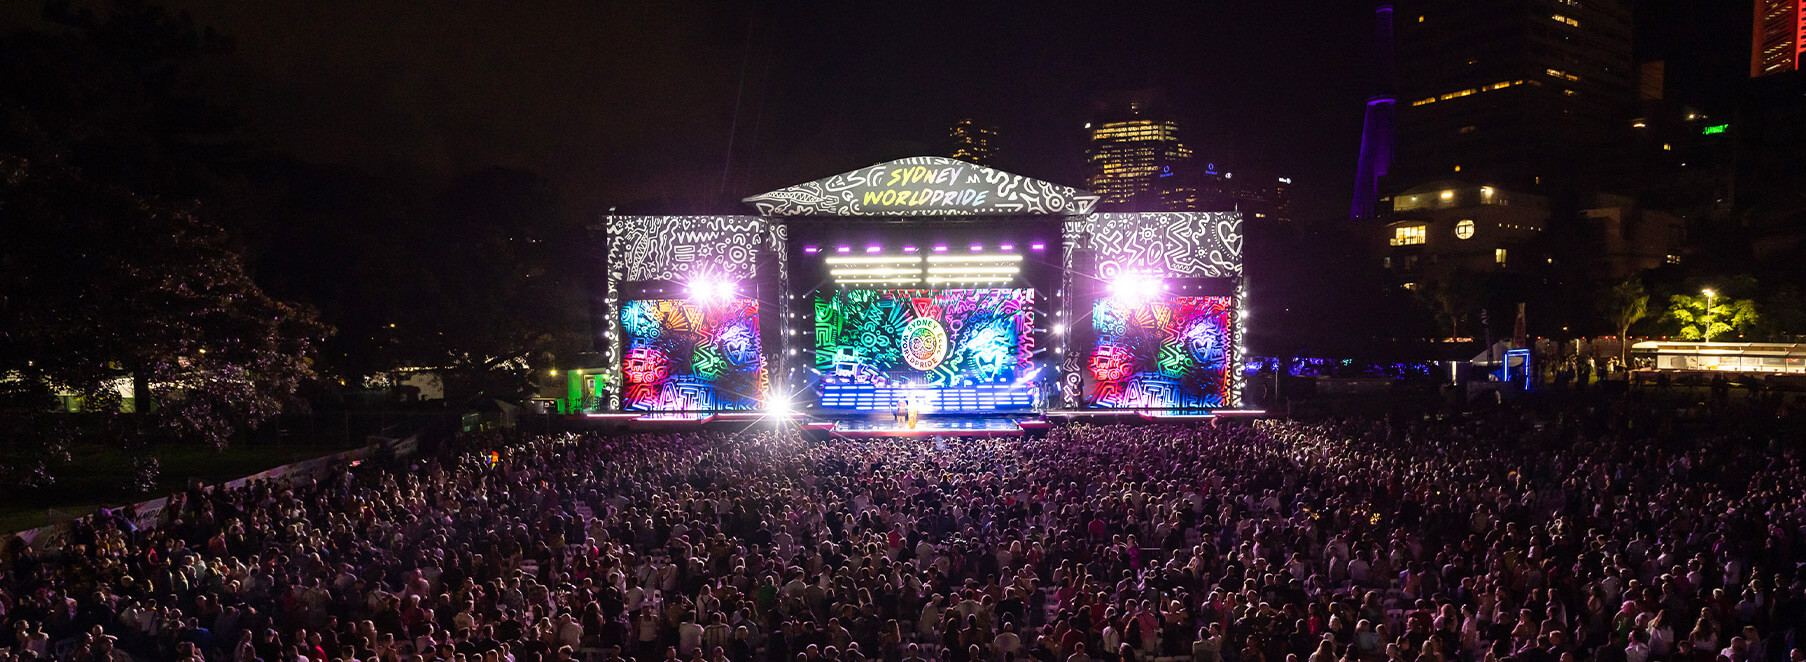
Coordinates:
<point>1376,131</point>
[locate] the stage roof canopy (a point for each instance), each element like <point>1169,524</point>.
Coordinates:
<point>925,186</point>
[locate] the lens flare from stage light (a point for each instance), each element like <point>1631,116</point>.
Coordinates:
<point>778,405</point>
<point>710,290</point>
<point>1135,287</point>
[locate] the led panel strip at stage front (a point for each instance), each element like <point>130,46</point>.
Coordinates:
<point>982,397</point>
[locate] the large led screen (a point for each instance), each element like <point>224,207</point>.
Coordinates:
<point>1159,352</point>
<point>685,355</point>
<point>927,338</point>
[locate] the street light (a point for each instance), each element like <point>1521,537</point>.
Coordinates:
<point>1710,295</point>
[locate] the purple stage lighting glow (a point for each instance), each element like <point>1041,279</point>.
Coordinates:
<point>1038,246</point>
<point>909,249</point>
<point>940,249</point>
<point>978,248</point>
<point>873,248</point>
<point>811,249</point>
<point>844,249</point>
<point>1007,247</point>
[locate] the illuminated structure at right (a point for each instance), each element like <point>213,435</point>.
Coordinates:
<point>1376,129</point>
<point>1778,38</point>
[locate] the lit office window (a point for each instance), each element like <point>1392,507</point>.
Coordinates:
<point>1409,235</point>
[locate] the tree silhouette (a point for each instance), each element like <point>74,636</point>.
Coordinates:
<point>1451,299</point>
<point>103,285</point>
<point>1626,304</point>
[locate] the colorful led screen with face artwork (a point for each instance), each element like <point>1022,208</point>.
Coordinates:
<point>1160,352</point>
<point>683,355</point>
<point>925,338</point>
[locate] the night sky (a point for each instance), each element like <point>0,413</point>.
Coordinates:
<point>620,102</point>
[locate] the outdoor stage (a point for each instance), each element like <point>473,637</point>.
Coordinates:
<point>989,299</point>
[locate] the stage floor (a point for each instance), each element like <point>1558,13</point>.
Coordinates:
<point>927,427</point>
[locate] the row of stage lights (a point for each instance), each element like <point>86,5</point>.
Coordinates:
<point>937,269</point>
<point>930,269</point>
<point>938,248</point>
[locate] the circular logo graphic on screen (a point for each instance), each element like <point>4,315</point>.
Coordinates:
<point>924,343</point>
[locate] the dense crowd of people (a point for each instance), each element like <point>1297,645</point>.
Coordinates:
<point>1520,539</point>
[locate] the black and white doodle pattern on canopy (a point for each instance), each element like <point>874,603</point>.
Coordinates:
<point>681,247</point>
<point>925,186</point>
<point>1169,244</point>
<point>674,248</point>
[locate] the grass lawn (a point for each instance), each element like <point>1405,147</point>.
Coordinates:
<point>101,476</point>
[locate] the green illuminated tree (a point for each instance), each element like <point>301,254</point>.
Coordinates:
<point>1727,316</point>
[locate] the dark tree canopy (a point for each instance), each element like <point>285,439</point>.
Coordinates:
<point>115,267</point>
<point>103,284</point>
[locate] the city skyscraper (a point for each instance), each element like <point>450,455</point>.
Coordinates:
<point>1516,93</point>
<point>1134,144</point>
<point>973,142</point>
<point>1377,129</point>
<point>1778,38</point>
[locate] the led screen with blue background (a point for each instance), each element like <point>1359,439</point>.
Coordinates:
<point>692,355</point>
<point>948,350</point>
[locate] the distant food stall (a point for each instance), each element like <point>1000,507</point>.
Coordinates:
<point>1739,357</point>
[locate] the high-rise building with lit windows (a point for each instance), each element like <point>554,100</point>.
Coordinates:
<point>1134,146</point>
<point>973,142</point>
<point>1528,94</point>
<point>1778,38</point>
